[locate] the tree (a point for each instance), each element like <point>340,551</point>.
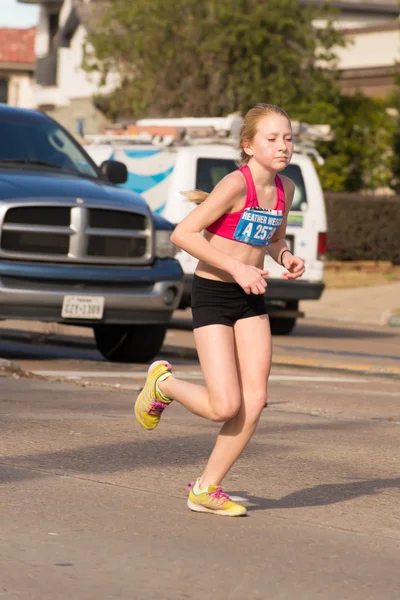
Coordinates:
<point>393,103</point>
<point>213,57</point>
<point>361,155</point>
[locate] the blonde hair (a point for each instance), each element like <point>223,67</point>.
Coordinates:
<point>247,133</point>
<point>250,123</point>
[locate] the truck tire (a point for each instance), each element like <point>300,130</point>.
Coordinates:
<point>281,325</point>
<point>129,343</point>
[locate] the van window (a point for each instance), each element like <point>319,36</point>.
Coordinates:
<point>300,196</point>
<point>211,170</point>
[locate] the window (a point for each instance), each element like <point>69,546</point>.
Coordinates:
<point>211,170</point>
<point>300,196</point>
<point>53,26</point>
<point>80,127</point>
<point>3,91</point>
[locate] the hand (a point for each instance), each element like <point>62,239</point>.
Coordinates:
<point>251,279</point>
<point>294,265</point>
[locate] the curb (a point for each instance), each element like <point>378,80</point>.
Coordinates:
<point>10,367</point>
<point>360,369</point>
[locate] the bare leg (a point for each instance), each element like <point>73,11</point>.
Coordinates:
<point>253,349</point>
<point>220,400</point>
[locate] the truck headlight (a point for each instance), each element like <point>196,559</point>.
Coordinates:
<point>164,247</point>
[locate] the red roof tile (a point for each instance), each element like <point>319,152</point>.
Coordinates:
<point>17,45</point>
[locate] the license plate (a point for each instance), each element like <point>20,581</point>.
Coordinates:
<point>82,307</point>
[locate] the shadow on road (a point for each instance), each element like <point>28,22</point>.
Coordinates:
<point>44,348</point>
<point>322,495</point>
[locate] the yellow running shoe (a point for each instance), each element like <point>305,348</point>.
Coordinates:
<point>150,402</point>
<point>214,500</point>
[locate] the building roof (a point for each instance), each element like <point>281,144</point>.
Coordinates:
<point>41,1</point>
<point>86,13</point>
<point>365,6</point>
<point>17,46</point>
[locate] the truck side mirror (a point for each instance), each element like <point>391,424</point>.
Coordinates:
<point>114,171</point>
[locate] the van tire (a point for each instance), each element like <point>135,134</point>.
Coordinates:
<point>281,325</point>
<point>129,343</point>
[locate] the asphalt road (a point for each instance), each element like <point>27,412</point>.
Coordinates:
<point>95,508</point>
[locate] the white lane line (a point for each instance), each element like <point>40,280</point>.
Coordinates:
<point>315,378</point>
<point>184,374</point>
<point>97,374</point>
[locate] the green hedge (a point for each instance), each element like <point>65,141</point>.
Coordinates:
<point>363,227</point>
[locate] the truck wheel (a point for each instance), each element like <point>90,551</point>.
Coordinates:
<point>282,326</point>
<point>129,343</point>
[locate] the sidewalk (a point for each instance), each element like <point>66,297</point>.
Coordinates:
<point>366,305</point>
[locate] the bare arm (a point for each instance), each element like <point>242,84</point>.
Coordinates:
<point>278,243</point>
<point>294,264</point>
<point>230,191</point>
<point>187,235</point>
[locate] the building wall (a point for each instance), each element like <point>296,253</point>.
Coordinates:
<point>72,80</point>
<point>79,111</point>
<point>370,48</point>
<point>17,65</point>
<point>369,62</point>
<point>21,90</point>
<point>42,33</point>
<point>70,100</point>
<point>65,11</point>
<point>353,20</point>
<point>371,82</point>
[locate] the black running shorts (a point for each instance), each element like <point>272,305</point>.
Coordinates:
<point>222,303</point>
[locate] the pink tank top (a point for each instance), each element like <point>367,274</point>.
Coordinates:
<point>226,225</point>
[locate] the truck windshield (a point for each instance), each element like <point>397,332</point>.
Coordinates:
<point>211,170</point>
<point>42,144</point>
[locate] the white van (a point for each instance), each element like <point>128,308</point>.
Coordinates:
<point>162,165</point>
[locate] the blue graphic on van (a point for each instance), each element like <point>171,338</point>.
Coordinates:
<point>142,183</point>
<point>141,153</point>
<point>158,211</point>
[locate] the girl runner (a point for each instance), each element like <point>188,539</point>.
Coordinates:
<point>244,217</point>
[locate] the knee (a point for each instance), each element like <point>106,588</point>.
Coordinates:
<point>224,410</point>
<point>255,406</point>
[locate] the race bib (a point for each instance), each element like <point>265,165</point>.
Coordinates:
<point>257,226</point>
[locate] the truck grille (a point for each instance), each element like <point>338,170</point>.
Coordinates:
<point>76,234</point>
<point>39,215</point>
<point>111,219</point>
<point>35,243</point>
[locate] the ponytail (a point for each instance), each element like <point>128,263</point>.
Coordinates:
<point>196,196</point>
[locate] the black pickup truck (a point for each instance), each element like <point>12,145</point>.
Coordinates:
<point>76,248</point>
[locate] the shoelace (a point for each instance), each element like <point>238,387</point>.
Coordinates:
<point>157,408</point>
<point>218,494</point>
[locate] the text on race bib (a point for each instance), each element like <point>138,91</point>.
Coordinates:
<point>256,227</point>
